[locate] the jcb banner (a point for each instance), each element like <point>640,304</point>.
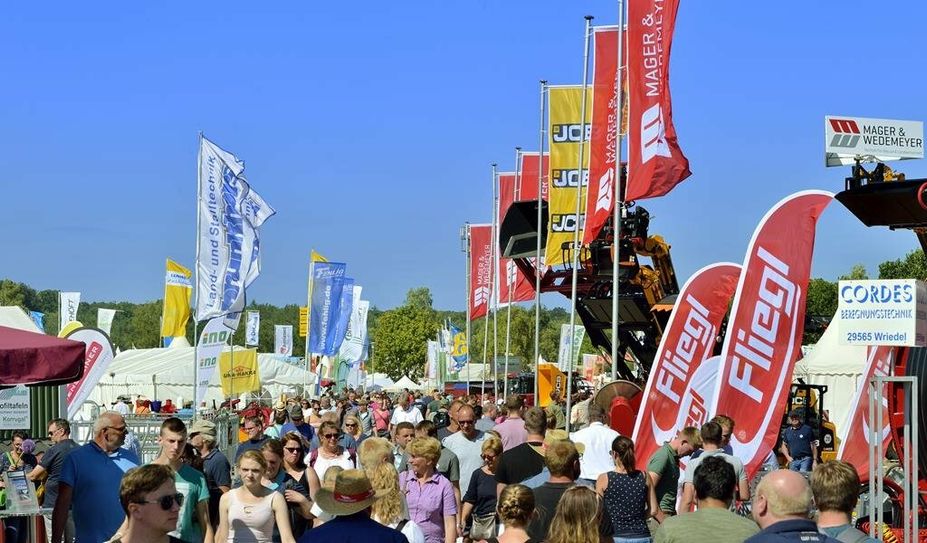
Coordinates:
<point>526,187</point>
<point>303,321</point>
<point>603,150</point>
<point>67,308</point>
<point>283,339</point>
<point>688,341</point>
<point>239,371</point>
<point>253,328</point>
<point>567,130</point>
<point>854,438</point>
<point>511,279</point>
<point>765,328</point>
<point>213,338</point>
<point>480,287</point>
<point>177,291</point>
<point>656,163</point>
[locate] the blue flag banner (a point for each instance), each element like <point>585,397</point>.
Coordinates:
<point>458,346</point>
<point>344,312</point>
<point>327,286</point>
<point>39,319</point>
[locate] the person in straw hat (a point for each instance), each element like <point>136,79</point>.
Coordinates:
<point>349,501</point>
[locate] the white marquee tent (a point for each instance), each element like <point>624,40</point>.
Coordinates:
<point>13,316</point>
<point>404,382</point>
<point>168,373</point>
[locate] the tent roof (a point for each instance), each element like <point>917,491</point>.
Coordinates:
<point>404,382</point>
<point>13,316</point>
<point>829,357</point>
<point>32,358</point>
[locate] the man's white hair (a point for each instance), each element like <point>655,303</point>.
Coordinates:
<point>105,419</point>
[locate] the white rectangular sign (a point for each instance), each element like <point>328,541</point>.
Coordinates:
<point>873,140</point>
<point>14,408</point>
<point>882,312</point>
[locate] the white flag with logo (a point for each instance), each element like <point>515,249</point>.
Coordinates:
<point>352,348</point>
<point>230,214</point>
<point>67,308</point>
<point>283,339</point>
<point>563,355</point>
<point>105,319</point>
<point>252,337</point>
<point>212,339</point>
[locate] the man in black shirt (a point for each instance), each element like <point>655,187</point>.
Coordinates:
<point>59,432</point>
<point>526,460</point>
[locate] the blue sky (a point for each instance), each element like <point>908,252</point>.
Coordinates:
<point>371,126</point>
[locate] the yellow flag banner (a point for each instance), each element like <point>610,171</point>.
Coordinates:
<point>177,291</point>
<point>239,373</point>
<point>316,257</point>
<point>303,321</point>
<point>564,136</point>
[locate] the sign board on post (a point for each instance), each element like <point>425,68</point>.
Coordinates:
<point>14,408</point>
<point>883,312</point>
<point>871,140</point>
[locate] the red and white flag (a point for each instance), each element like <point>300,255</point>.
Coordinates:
<point>526,187</point>
<point>672,395</point>
<point>603,157</point>
<point>510,277</point>
<point>854,439</point>
<point>656,163</point>
<point>765,329</point>
<point>480,287</point>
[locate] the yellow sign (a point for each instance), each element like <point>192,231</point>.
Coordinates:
<point>303,321</point>
<point>239,374</point>
<point>565,134</point>
<point>69,327</point>
<point>177,290</point>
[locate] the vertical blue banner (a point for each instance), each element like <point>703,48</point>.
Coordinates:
<point>344,313</point>
<point>327,287</point>
<point>458,346</point>
<point>39,319</point>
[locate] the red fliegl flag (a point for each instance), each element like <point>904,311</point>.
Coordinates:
<point>527,185</point>
<point>480,287</point>
<point>765,329</point>
<point>669,398</point>
<point>510,277</point>
<point>854,444</point>
<point>656,163</point>
<point>603,157</point>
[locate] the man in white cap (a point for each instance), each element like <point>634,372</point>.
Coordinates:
<point>349,501</point>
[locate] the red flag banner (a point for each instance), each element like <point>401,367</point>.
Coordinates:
<point>656,163</point>
<point>767,320</point>
<point>603,158</point>
<point>671,396</point>
<point>526,187</point>
<point>480,269</point>
<point>854,444</point>
<point>510,277</point>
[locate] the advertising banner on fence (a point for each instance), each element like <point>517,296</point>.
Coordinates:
<point>178,287</point>
<point>283,339</point>
<point>214,336</point>
<point>567,130</point>
<point>480,287</point>
<point>67,308</point>
<point>766,325</point>
<point>14,408</point>
<point>871,140</point>
<point>689,339</point>
<point>655,163</point>
<point>882,312</point>
<point>325,301</point>
<point>98,356</point>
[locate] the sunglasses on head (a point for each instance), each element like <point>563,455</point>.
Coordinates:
<point>166,502</point>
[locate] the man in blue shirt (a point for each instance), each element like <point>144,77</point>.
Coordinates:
<point>297,424</point>
<point>798,444</point>
<point>90,482</point>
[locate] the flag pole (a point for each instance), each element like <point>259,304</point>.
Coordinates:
<point>494,305</point>
<point>511,285</point>
<point>537,257</point>
<point>616,220</point>
<point>469,256</point>
<point>196,270</point>
<point>580,205</point>
<point>318,379</point>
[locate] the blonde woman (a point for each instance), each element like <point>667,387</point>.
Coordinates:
<point>429,495</point>
<point>578,517</point>
<point>250,512</point>
<point>373,452</point>
<point>388,509</point>
<point>480,496</point>
<point>352,427</point>
<point>515,509</point>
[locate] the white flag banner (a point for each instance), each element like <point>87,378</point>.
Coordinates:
<point>67,307</point>
<point>252,329</point>
<point>563,355</point>
<point>352,348</point>
<point>105,319</point>
<point>212,339</point>
<point>283,339</point>
<point>431,369</point>
<point>228,248</point>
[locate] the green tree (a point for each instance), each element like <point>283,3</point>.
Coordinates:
<point>912,266</point>
<point>822,297</point>
<point>12,293</point>
<point>419,298</point>
<point>145,325</point>
<point>856,273</point>
<point>400,341</point>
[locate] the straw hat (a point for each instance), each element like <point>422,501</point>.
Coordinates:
<point>352,493</point>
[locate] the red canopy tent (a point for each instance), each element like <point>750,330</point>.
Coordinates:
<point>27,358</point>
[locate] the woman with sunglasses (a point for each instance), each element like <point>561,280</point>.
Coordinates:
<point>480,499</point>
<point>352,427</point>
<point>330,451</point>
<point>299,485</point>
<point>151,503</point>
<point>252,511</point>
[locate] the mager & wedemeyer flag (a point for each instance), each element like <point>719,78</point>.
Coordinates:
<point>177,291</point>
<point>566,133</point>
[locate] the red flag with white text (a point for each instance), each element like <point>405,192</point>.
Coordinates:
<point>854,444</point>
<point>510,277</point>
<point>526,187</point>
<point>767,321</point>
<point>656,163</point>
<point>671,397</point>
<point>480,288</point>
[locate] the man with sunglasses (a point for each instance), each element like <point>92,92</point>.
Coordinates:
<point>59,433</point>
<point>90,480</point>
<point>151,504</point>
<point>254,428</point>
<point>193,524</point>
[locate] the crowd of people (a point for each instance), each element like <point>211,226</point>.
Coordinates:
<point>430,469</point>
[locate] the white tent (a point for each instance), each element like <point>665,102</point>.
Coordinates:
<point>168,373</point>
<point>402,383</point>
<point>840,367</point>
<point>377,381</point>
<point>13,316</point>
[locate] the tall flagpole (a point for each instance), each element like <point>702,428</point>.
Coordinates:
<point>511,284</point>
<point>616,220</point>
<point>196,269</point>
<point>537,257</point>
<point>580,205</point>
<point>469,256</point>
<point>318,378</point>
<point>494,299</point>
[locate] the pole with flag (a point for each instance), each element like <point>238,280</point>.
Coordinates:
<point>537,257</point>
<point>580,206</point>
<point>618,198</point>
<point>469,256</point>
<point>510,282</point>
